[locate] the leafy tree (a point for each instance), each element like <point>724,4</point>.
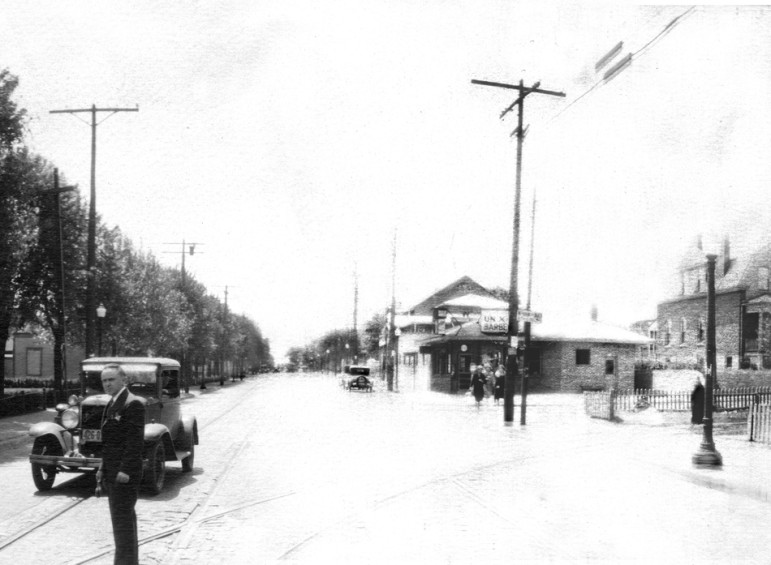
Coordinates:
<point>17,217</point>
<point>60,235</point>
<point>373,329</point>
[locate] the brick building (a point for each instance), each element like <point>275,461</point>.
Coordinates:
<point>564,356</point>
<point>742,310</point>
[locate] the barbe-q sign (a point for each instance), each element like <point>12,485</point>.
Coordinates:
<point>494,321</point>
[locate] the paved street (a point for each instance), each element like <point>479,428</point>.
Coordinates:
<point>293,468</point>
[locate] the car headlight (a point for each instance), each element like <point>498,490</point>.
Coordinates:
<point>73,400</point>
<point>62,406</point>
<point>70,418</point>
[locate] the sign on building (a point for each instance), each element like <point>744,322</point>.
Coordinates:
<point>494,321</point>
<point>497,321</point>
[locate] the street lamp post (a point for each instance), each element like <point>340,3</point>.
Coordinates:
<point>707,455</point>
<point>101,312</point>
<point>397,334</point>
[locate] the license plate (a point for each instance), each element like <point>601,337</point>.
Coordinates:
<point>92,435</point>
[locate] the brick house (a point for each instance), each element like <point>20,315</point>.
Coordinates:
<point>742,311</point>
<point>30,357</point>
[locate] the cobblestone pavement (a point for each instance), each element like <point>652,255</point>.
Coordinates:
<point>295,469</point>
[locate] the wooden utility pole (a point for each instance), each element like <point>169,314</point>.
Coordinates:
<point>355,314</point>
<point>511,361</point>
<point>526,353</point>
<point>184,361</point>
<point>91,250</point>
<point>60,364</point>
<point>393,375</point>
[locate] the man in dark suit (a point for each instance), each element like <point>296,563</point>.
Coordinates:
<point>123,428</point>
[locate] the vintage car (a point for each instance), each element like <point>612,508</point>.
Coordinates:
<point>72,442</point>
<point>359,378</point>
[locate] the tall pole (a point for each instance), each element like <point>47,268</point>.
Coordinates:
<point>394,382</point>
<point>355,314</point>
<point>91,245</point>
<point>513,330</point>
<point>707,455</point>
<point>526,352</point>
<point>62,365</point>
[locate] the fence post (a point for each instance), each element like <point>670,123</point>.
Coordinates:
<point>611,408</point>
<point>755,398</point>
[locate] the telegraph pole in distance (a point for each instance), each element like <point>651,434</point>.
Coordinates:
<point>511,360</point>
<point>526,372</point>
<point>183,361</point>
<point>91,252</point>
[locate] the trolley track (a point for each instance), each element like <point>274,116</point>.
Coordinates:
<point>40,523</point>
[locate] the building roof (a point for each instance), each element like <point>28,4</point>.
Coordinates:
<point>588,331</point>
<point>404,320</point>
<point>462,286</point>
<point>476,301</point>
<point>582,332</point>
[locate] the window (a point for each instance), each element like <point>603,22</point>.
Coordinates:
<point>700,331</point>
<point>583,356</point>
<point>610,366</point>
<point>763,278</point>
<point>729,361</point>
<point>683,328</point>
<point>668,333</point>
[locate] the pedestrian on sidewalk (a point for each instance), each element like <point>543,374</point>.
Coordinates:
<point>697,402</point>
<point>477,384</point>
<point>123,431</point>
<point>498,387</point>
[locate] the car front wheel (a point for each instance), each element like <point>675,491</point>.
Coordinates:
<point>156,468</point>
<point>44,475</point>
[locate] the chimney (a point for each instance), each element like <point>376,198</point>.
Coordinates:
<point>594,313</point>
<point>726,255</point>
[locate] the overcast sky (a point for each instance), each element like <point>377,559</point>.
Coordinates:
<point>293,139</point>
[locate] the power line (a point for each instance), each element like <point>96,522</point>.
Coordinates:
<point>625,62</point>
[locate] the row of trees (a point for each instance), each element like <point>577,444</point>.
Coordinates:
<point>152,309</point>
<point>340,347</point>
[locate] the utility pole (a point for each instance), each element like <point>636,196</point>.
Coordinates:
<point>393,383</point>
<point>91,251</point>
<point>184,360</point>
<point>355,314</point>
<point>526,353</point>
<point>513,331</point>
<point>62,353</point>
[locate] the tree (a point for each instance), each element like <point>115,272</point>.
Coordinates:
<point>373,330</point>
<point>17,216</point>
<point>39,281</point>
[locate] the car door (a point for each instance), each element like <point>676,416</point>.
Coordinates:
<point>170,400</point>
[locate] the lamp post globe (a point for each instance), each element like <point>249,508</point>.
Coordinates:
<point>101,312</point>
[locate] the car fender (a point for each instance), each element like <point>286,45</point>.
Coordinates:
<point>189,431</point>
<point>50,428</point>
<point>154,432</point>
<point>158,432</point>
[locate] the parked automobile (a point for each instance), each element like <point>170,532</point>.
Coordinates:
<point>72,443</point>
<point>359,378</point>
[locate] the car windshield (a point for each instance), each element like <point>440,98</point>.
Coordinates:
<point>138,374</point>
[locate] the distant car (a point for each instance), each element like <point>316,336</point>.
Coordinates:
<point>359,378</point>
<point>72,443</point>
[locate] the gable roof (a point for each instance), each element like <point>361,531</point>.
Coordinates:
<point>477,301</point>
<point>463,286</point>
